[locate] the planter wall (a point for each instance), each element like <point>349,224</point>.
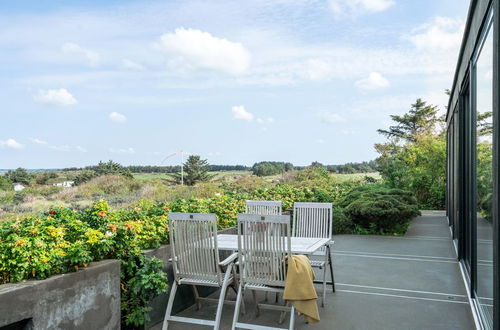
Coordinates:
<point>86,299</point>
<point>185,296</point>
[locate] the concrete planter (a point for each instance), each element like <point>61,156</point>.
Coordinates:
<point>86,299</point>
<point>184,297</point>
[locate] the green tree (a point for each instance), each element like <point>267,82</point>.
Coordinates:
<point>420,120</point>
<point>5,183</point>
<point>271,168</point>
<point>419,164</point>
<point>103,168</point>
<point>19,175</point>
<point>195,170</point>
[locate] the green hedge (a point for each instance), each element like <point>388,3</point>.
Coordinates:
<point>378,209</point>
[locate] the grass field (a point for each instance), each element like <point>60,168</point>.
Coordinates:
<point>217,175</point>
<point>230,174</point>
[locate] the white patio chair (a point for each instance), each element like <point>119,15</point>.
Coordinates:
<point>315,220</point>
<point>195,259</point>
<point>263,207</point>
<point>264,244</point>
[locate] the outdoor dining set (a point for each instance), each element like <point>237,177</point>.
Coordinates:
<point>266,241</point>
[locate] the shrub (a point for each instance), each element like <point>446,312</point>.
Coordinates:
<point>342,224</point>
<point>65,240</point>
<point>378,209</point>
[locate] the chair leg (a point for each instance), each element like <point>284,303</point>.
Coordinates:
<point>196,297</point>
<point>331,267</point>
<point>257,309</point>
<point>222,296</point>
<point>237,307</point>
<point>292,318</point>
<point>168,312</point>
<point>283,313</point>
<point>235,286</point>
<point>324,279</point>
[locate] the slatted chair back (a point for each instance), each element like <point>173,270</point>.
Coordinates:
<point>264,243</point>
<point>312,220</point>
<point>263,207</point>
<point>193,240</point>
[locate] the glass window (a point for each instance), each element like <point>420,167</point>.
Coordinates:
<point>484,179</point>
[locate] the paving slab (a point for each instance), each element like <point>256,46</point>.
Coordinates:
<point>431,247</point>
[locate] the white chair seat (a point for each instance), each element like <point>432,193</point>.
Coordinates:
<point>193,281</point>
<point>318,263</point>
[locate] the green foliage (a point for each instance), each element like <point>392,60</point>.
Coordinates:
<point>420,120</point>
<point>419,164</point>
<point>44,177</point>
<point>5,183</point>
<point>103,168</point>
<point>143,279</point>
<point>484,178</point>
<point>19,175</point>
<point>377,209</point>
<point>271,168</point>
<point>195,170</point>
<point>65,240</point>
<point>419,167</point>
<point>84,176</point>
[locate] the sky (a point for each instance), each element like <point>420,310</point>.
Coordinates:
<point>235,82</point>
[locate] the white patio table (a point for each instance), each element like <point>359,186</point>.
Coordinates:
<point>300,245</point>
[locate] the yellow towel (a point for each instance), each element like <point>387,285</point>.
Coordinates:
<point>299,287</point>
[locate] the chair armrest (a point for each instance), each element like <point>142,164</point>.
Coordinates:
<point>229,259</point>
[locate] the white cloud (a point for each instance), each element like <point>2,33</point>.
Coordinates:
<point>80,149</point>
<point>320,141</point>
<point>441,33</point>
<point>239,112</point>
<point>332,118</point>
<point>38,141</point>
<point>316,69</point>
<point>358,7</point>
<point>117,117</point>
<point>91,57</point>
<point>265,121</point>
<point>129,64</point>
<point>128,150</point>
<point>64,148</point>
<point>374,81</point>
<point>57,97</point>
<point>193,49</point>
<point>11,143</point>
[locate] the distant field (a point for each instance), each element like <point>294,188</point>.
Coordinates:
<point>223,174</point>
<point>217,175</point>
<point>347,177</point>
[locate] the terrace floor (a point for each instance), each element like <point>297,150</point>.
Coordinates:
<point>410,282</point>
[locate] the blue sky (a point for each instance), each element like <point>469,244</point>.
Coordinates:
<point>234,81</point>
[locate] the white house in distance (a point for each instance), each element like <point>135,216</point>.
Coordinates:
<point>18,186</point>
<point>64,184</point>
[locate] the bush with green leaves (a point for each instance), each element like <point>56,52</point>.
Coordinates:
<point>65,240</point>
<point>377,209</point>
<point>101,169</point>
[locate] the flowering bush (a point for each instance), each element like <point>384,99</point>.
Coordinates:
<point>64,240</point>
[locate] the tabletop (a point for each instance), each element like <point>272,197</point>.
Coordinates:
<point>300,245</point>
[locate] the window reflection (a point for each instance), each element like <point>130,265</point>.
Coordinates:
<point>484,180</point>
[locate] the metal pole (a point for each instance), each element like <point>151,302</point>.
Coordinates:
<point>182,168</point>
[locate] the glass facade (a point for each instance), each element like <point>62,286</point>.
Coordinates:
<point>472,189</point>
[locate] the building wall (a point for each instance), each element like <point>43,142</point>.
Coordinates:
<point>472,169</point>
<point>87,299</point>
